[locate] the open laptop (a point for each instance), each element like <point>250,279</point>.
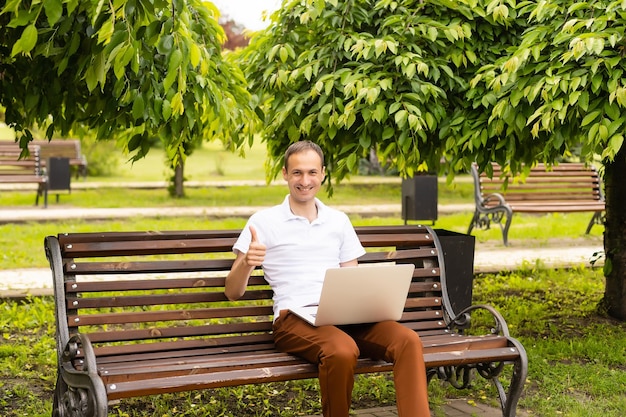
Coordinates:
<point>360,294</point>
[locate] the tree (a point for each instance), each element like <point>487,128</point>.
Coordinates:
<point>371,74</point>
<point>131,70</point>
<point>468,81</point>
<point>565,82</point>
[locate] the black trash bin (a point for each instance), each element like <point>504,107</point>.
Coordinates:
<point>458,255</point>
<point>419,198</point>
<point>59,175</point>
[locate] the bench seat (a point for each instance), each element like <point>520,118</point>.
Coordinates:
<point>198,369</point>
<point>144,313</point>
<point>564,188</point>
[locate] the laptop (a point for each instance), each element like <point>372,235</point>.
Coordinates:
<point>360,294</point>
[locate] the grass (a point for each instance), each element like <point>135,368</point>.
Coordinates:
<point>575,367</point>
<point>577,361</point>
<point>357,192</point>
<point>209,163</point>
<point>212,196</point>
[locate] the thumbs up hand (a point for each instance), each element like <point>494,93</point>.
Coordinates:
<point>256,252</point>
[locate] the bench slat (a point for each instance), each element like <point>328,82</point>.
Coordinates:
<point>110,336</point>
<point>222,345</point>
<point>23,179</point>
<point>169,315</point>
<point>165,367</point>
<point>160,266</point>
<point>161,299</point>
<point>152,247</point>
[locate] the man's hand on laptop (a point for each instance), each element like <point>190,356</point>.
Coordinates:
<point>256,252</point>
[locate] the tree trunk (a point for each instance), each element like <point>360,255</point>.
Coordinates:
<point>615,237</point>
<point>179,179</point>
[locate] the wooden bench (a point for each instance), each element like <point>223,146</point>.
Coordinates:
<point>27,170</point>
<point>64,148</point>
<point>564,188</point>
<point>142,313</point>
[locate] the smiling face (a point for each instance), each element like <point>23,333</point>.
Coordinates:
<point>304,174</point>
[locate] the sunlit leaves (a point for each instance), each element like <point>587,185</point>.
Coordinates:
<point>26,42</point>
<point>565,79</point>
<point>478,81</point>
<point>614,145</point>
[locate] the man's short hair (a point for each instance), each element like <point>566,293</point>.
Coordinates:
<point>301,146</point>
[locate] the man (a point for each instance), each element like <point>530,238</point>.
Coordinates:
<point>295,243</point>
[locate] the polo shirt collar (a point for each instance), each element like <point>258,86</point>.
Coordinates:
<point>322,211</point>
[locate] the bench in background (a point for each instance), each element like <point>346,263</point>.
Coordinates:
<point>143,313</point>
<point>564,188</point>
<point>64,148</point>
<point>28,170</point>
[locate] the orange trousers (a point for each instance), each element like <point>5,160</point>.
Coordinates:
<point>335,350</point>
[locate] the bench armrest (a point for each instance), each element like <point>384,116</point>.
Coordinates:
<point>79,348</point>
<point>482,202</point>
<point>462,320</point>
<point>79,371</point>
<point>491,197</point>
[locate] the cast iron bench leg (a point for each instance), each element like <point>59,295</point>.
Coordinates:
<point>520,371</point>
<point>595,219</point>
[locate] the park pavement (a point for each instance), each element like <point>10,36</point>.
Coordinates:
<point>460,407</point>
<point>489,257</point>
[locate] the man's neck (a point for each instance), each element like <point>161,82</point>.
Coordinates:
<point>308,210</point>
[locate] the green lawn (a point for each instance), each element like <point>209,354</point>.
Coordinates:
<point>209,163</point>
<point>6,133</point>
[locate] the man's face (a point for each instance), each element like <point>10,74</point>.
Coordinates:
<point>304,175</point>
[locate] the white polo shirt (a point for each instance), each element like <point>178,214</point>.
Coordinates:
<point>299,251</point>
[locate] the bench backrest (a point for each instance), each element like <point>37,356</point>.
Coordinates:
<point>59,148</point>
<point>566,181</point>
<point>12,165</point>
<point>157,290</point>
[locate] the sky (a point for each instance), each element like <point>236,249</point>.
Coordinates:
<point>247,12</point>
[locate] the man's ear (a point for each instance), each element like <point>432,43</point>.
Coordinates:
<point>284,173</point>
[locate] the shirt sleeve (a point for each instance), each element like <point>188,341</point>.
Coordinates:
<point>351,247</point>
<point>243,241</point>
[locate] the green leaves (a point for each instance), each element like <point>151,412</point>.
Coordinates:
<point>138,107</point>
<point>133,70</point>
<point>26,42</point>
<point>569,91</point>
<point>363,75</point>
<point>489,81</point>
<point>54,10</point>
<point>96,73</point>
